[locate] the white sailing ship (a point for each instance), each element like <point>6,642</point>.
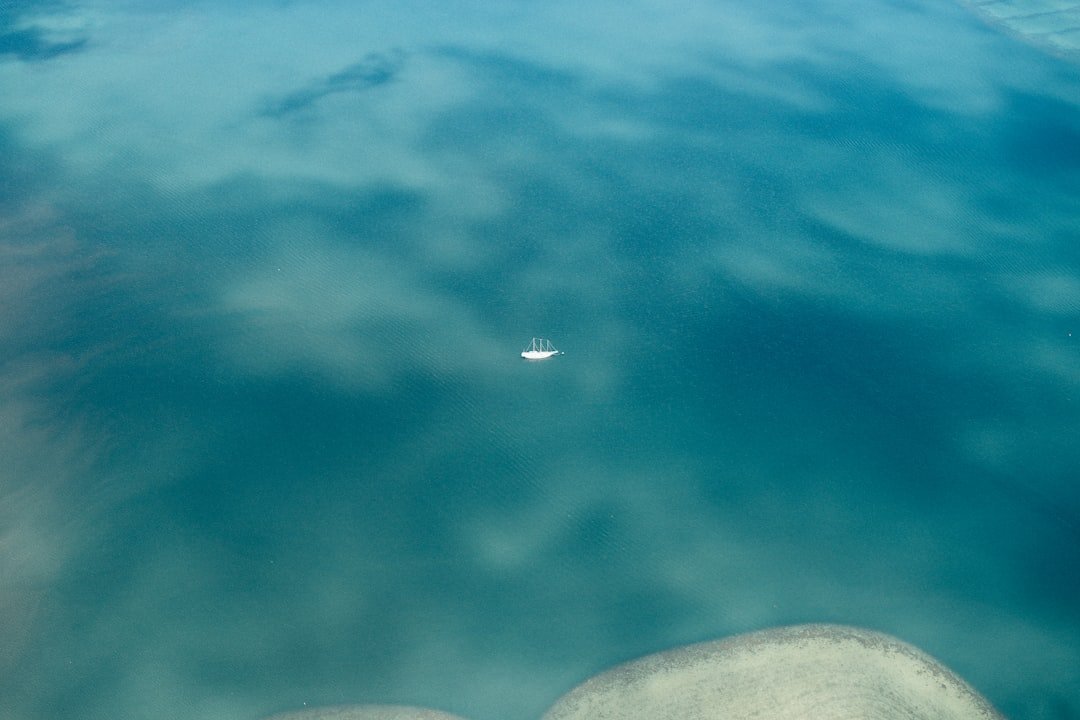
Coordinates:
<point>539,349</point>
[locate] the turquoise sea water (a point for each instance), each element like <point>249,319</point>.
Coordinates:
<point>265,272</point>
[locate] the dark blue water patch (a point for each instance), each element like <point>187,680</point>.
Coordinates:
<point>162,580</point>
<point>867,379</point>
<point>237,222</point>
<point>484,130</point>
<point>630,209</point>
<point>1048,544</point>
<point>174,256</point>
<point>33,45</point>
<point>376,217</point>
<point>665,192</point>
<point>515,109</point>
<point>27,42</point>
<point>1042,135</point>
<point>849,100</point>
<point>512,74</point>
<point>287,429</point>
<point>25,177</point>
<point>291,482</point>
<point>177,243</point>
<point>373,71</point>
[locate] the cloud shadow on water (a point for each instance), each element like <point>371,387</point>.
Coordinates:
<point>29,42</point>
<point>31,45</point>
<point>375,70</point>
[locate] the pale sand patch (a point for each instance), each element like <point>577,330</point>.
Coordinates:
<point>367,712</point>
<point>825,672</point>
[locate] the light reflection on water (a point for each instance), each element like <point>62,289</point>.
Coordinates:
<point>267,439</point>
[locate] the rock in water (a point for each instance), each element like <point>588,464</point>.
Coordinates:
<point>823,672</point>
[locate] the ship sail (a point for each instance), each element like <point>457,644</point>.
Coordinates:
<point>539,349</point>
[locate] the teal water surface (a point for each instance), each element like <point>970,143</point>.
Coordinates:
<point>266,440</point>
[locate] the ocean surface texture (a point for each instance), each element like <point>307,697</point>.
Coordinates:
<point>266,270</point>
